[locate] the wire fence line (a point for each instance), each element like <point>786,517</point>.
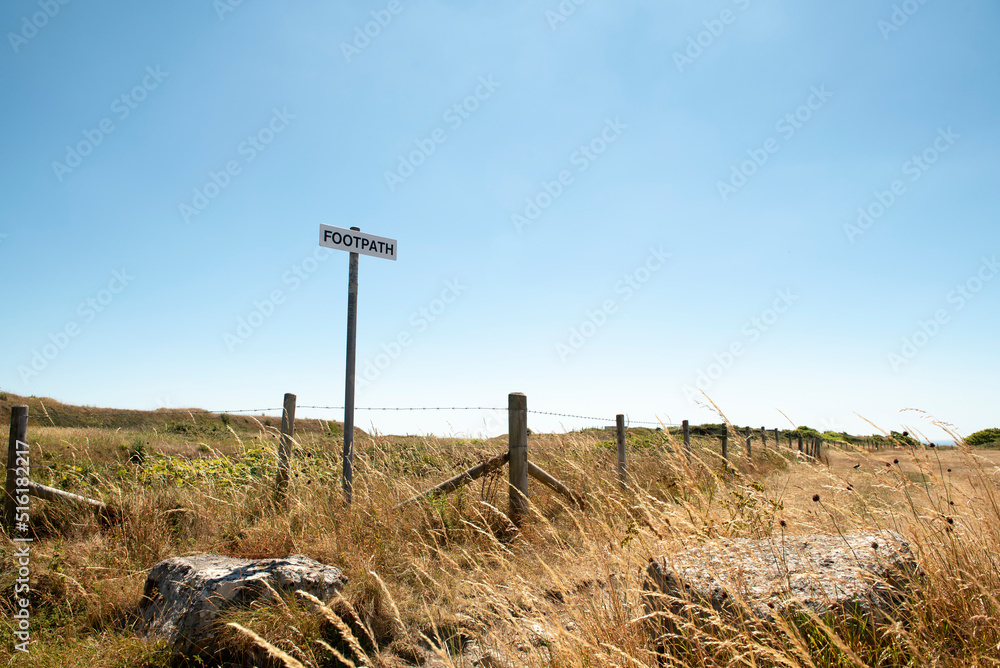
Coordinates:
<point>250,412</point>
<point>83,467</point>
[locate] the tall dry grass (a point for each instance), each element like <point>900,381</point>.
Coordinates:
<point>448,582</point>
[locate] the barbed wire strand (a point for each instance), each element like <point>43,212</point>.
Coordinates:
<point>50,415</point>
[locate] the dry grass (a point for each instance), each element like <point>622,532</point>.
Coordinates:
<point>445,582</point>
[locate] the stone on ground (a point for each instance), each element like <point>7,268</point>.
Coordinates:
<point>862,575</point>
<point>184,595</point>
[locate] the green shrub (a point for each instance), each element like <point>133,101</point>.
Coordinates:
<point>137,451</point>
<point>904,439</point>
<point>707,430</point>
<point>984,437</point>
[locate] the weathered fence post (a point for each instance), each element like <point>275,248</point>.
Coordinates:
<point>789,441</point>
<point>18,433</point>
<point>800,442</point>
<point>517,434</point>
<point>763,438</point>
<point>749,453</point>
<point>777,443</point>
<point>725,443</point>
<point>686,432</point>
<point>620,429</point>
<point>285,446</point>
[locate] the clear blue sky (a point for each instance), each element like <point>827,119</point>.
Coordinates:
<point>685,177</point>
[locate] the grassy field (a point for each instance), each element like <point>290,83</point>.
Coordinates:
<point>446,582</point>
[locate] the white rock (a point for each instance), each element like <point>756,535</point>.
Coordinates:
<point>184,595</point>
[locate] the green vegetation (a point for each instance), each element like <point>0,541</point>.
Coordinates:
<point>985,438</point>
<point>904,439</point>
<point>837,436</point>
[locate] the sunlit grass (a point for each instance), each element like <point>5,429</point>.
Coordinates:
<point>446,579</point>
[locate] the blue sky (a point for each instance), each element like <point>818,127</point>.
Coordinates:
<point>607,206</point>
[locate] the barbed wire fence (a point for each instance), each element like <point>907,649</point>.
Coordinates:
<point>51,415</point>
<point>512,419</point>
<point>445,443</point>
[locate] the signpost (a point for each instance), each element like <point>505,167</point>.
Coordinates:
<point>354,242</point>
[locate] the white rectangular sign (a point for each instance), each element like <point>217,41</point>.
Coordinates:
<point>357,242</point>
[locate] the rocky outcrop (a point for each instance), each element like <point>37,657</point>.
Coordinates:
<point>184,595</point>
<point>859,575</point>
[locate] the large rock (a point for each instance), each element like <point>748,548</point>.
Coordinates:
<point>184,595</point>
<point>858,575</point>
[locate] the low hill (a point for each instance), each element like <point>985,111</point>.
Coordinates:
<point>49,412</point>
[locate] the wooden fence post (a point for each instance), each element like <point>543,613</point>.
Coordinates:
<point>763,438</point>
<point>725,443</point>
<point>620,428</point>
<point>686,431</point>
<point>517,434</point>
<point>800,442</point>
<point>749,453</point>
<point>789,441</point>
<point>285,446</point>
<point>777,443</point>
<point>18,433</point>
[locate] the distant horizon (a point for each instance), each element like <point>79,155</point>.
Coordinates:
<point>494,420</point>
